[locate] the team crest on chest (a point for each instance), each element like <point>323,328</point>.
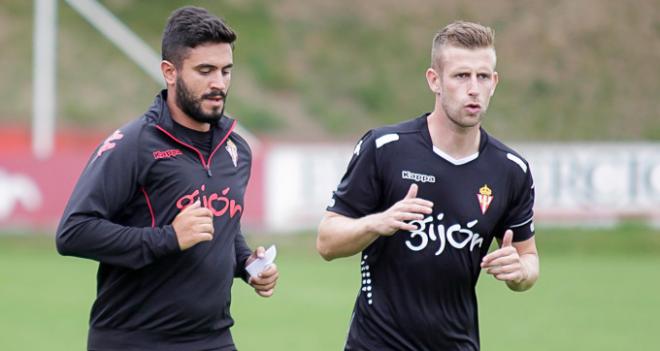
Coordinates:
<point>232,150</point>
<point>485,198</point>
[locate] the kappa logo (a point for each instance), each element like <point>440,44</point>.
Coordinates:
<point>109,144</point>
<point>356,151</point>
<point>166,154</point>
<point>418,177</point>
<point>233,152</point>
<point>485,198</point>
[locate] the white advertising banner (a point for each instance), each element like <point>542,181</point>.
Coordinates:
<point>575,183</point>
<point>595,181</point>
<point>299,180</point>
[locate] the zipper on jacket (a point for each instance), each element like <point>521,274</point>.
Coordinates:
<point>206,165</point>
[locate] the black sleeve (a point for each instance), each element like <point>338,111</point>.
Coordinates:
<point>107,184</point>
<point>243,251</point>
<point>521,211</point>
<point>359,191</point>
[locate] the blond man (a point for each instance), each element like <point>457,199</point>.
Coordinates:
<point>422,201</point>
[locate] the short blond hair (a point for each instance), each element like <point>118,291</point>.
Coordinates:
<point>467,35</point>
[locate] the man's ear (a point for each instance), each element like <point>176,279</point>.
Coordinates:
<point>496,79</point>
<point>433,80</point>
<point>169,72</point>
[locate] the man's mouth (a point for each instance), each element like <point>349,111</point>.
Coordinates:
<point>215,100</point>
<point>473,108</point>
<point>215,96</point>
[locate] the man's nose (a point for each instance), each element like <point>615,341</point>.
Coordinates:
<point>473,86</point>
<point>218,82</point>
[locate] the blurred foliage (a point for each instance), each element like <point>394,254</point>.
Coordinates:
<point>570,70</point>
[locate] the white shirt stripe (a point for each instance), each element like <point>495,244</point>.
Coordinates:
<point>387,138</point>
<point>517,160</point>
<point>521,224</point>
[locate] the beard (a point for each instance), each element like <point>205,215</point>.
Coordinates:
<point>192,106</point>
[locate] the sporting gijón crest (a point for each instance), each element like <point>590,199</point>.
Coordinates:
<point>485,197</point>
<point>233,152</point>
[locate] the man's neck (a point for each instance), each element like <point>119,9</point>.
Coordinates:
<point>455,141</point>
<point>183,119</point>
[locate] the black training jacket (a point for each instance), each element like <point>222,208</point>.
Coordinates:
<point>150,294</point>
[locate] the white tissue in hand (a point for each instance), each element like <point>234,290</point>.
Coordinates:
<point>257,266</point>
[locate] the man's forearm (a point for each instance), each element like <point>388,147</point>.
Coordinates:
<point>104,241</point>
<point>340,236</point>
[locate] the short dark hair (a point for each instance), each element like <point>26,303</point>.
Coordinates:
<point>190,26</point>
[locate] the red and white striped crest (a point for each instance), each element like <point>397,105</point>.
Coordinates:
<point>484,202</point>
<point>485,198</point>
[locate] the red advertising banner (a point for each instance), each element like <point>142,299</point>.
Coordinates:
<point>33,192</point>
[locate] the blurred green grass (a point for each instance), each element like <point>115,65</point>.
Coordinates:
<point>598,291</point>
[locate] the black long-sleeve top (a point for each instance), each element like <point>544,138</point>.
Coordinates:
<point>150,294</point>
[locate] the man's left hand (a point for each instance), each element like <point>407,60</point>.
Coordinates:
<point>264,282</point>
<point>505,263</point>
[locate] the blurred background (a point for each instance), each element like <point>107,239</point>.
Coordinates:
<point>578,97</point>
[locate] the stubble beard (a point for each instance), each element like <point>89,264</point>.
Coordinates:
<point>463,122</point>
<point>192,106</point>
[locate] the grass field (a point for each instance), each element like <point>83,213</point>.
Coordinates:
<point>599,290</point>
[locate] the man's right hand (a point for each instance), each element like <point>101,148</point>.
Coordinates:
<point>193,225</point>
<point>408,209</point>
<point>341,236</point>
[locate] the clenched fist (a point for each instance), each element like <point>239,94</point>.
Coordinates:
<point>193,225</point>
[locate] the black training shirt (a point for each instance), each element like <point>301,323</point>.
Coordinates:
<point>418,288</point>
